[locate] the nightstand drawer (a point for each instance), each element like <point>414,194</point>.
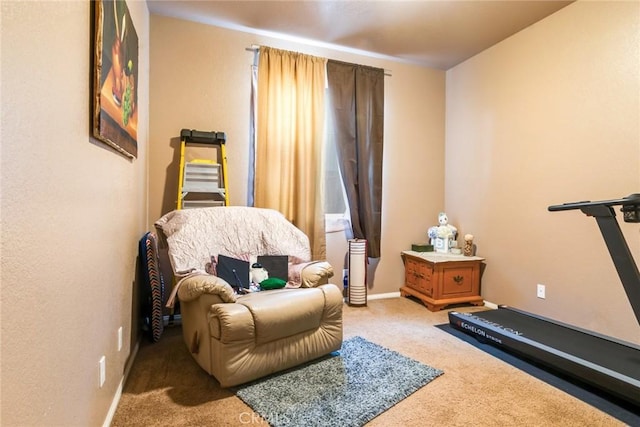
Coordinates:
<point>418,276</point>
<point>411,273</point>
<point>457,281</point>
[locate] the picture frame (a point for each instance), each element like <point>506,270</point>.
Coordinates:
<point>115,106</point>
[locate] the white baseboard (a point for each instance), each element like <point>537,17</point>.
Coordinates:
<point>384,296</point>
<point>116,397</point>
<point>490,305</point>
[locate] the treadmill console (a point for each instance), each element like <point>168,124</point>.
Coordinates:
<point>631,210</point>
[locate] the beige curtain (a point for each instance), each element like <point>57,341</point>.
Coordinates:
<point>289,140</point>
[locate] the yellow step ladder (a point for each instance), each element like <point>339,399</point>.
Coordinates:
<point>202,181</point>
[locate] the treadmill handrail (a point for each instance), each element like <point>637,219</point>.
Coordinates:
<point>633,199</point>
<point>616,243</point>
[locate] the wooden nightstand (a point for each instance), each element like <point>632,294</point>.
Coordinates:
<point>439,280</point>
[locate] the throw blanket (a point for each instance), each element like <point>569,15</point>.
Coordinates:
<point>194,235</point>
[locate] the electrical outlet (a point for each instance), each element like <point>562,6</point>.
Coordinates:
<point>541,290</point>
<point>120,338</point>
<point>103,370</point>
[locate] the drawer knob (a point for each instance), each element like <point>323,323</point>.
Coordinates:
<point>458,279</point>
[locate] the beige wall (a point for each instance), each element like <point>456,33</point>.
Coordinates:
<point>72,214</point>
<point>201,80</point>
<point>550,115</point>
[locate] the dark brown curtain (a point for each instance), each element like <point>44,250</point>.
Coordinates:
<point>356,96</point>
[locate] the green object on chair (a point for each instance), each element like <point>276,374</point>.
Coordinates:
<point>272,283</point>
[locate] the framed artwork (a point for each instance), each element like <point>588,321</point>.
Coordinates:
<point>115,77</point>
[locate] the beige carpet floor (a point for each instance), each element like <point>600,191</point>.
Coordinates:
<point>166,387</point>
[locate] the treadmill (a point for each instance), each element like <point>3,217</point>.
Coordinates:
<point>606,363</point>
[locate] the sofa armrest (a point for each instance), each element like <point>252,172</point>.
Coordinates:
<point>194,286</point>
<point>316,273</point>
<point>333,301</point>
<point>230,323</point>
<point>309,274</point>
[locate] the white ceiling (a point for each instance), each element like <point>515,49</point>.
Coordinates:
<point>432,33</point>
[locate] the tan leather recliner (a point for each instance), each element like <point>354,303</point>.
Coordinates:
<point>239,338</point>
<point>260,333</point>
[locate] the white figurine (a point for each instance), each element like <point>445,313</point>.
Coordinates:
<point>443,234</point>
<point>258,273</point>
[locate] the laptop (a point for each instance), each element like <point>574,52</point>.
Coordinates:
<point>276,265</point>
<point>234,271</point>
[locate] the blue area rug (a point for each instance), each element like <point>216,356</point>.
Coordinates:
<point>348,388</point>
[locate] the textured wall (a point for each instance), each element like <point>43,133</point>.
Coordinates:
<point>72,213</point>
<point>550,115</point>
